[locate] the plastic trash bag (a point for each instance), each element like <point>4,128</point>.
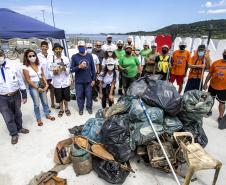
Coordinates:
<point>100,113</point>
<point>137,88</point>
<point>92,129</point>
<point>116,137</point>
<point>76,130</point>
<point>172,124</point>
<point>110,171</point>
<point>164,95</point>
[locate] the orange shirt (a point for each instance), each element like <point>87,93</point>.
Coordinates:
<point>197,72</point>
<point>180,62</point>
<point>218,74</point>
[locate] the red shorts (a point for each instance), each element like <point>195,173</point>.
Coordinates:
<point>178,78</point>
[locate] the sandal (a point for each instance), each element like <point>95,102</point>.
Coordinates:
<point>60,114</point>
<point>50,118</point>
<point>40,123</point>
<point>68,112</point>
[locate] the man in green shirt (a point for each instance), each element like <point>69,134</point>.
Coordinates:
<point>144,52</point>
<point>120,53</point>
<point>130,67</point>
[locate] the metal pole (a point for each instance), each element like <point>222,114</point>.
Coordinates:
<point>53,14</point>
<point>159,141</point>
<point>43,15</point>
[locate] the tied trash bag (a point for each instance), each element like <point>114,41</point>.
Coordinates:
<point>110,171</point>
<point>172,124</point>
<point>92,129</point>
<point>101,113</point>
<point>137,88</point>
<point>116,137</point>
<point>164,95</point>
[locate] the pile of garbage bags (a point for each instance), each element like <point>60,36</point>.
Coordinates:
<point>124,126</point>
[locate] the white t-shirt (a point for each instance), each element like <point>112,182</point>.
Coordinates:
<point>44,63</point>
<point>107,79</point>
<point>105,60</point>
<point>95,60</point>
<point>106,46</point>
<point>34,77</point>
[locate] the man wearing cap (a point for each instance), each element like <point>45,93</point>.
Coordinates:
<point>82,65</point>
<point>109,44</point>
<point>130,42</point>
<point>162,62</point>
<point>199,62</point>
<point>179,65</point>
<point>146,50</point>
<point>99,52</point>
<point>150,64</point>
<point>217,87</point>
<point>61,79</point>
<point>130,67</point>
<point>12,91</point>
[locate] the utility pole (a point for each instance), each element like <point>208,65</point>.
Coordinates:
<point>43,15</point>
<point>53,13</point>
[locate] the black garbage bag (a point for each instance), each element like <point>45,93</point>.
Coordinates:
<point>153,77</point>
<point>116,137</point>
<point>100,113</point>
<point>110,171</point>
<point>137,88</point>
<point>164,95</point>
<point>76,130</point>
<point>172,124</point>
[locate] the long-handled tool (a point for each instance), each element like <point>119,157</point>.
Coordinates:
<point>204,62</point>
<point>159,141</point>
<point>174,36</point>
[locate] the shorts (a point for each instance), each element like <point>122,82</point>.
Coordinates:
<point>62,94</point>
<point>219,94</point>
<point>178,78</point>
<point>193,84</point>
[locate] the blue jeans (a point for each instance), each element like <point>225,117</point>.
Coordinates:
<point>36,97</point>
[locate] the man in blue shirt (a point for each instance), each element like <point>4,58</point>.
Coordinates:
<point>82,65</point>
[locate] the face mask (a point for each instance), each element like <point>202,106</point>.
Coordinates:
<point>201,53</point>
<point>32,59</point>
<point>224,56</point>
<point>128,52</point>
<point>137,52</point>
<point>129,42</point>
<point>110,67</point>
<point>81,50</point>
<point>182,48</point>
<point>119,47</point>
<point>110,54</point>
<point>109,41</point>
<point>164,51</point>
<point>89,50</point>
<point>2,60</point>
<point>58,52</point>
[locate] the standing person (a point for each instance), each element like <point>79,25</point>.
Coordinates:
<point>179,65</point>
<point>110,53</point>
<point>217,87</point>
<point>120,52</point>
<point>99,52</point>
<point>83,66</point>
<point>162,62</point>
<point>11,88</point>
<point>61,79</point>
<point>89,48</point>
<point>130,43</point>
<point>140,58</point>
<point>107,83</point>
<point>199,62</point>
<point>130,67</point>
<point>150,64</point>
<point>37,84</point>
<point>45,59</point>
<point>109,43</point>
<point>146,50</point>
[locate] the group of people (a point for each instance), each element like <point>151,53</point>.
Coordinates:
<point>95,71</point>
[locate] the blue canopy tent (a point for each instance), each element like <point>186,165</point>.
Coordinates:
<point>16,25</point>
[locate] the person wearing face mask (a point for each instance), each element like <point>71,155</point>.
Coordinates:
<point>146,50</point>
<point>99,52</point>
<point>109,44</point>
<point>110,53</point>
<point>162,62</point>
<point>107,83</point>
<point>120,52</point>
<point>89,48</point>
<point>217,87</point>
<point>179,65</point>
<point>12,93</point>
<point>37,84</point>
<point>82,65</point>
<point>150,64</point>
<point>61,79</point>
<point>197,63</point>
<point>130,67</point>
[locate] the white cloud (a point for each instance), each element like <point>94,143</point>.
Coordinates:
<point>210,4</point>
<point>217,11</point>
<point>201,11</point>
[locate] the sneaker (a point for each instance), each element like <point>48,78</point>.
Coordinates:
<point>80,112</point>
<point>14,139</point>
<point>24,131</point>
<point>90,111</point>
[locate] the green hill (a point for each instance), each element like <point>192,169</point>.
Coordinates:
<point>196,29</point>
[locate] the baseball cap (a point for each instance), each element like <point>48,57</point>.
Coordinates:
<point>81,43</point>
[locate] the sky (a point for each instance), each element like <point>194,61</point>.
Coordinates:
<point>118,16</point>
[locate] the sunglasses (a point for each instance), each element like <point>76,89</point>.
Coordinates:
<point>30,56</point>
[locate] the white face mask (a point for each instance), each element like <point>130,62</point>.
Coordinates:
<point>110,67</point>
<point>2,60</point>
<point>32,59</point>
<point>110,53</point>
<point>89,50</point>
<point>137,52</point>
